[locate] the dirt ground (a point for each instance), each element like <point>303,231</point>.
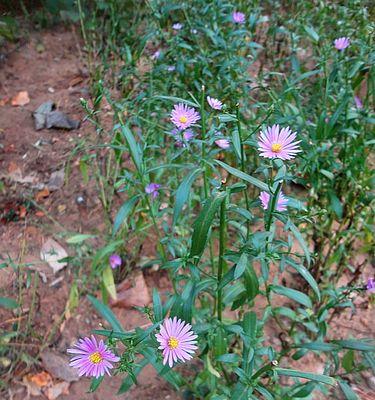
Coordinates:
<point>49,66</point>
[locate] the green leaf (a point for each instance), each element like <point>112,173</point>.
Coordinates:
<point>95,382</point>
<point>306,275</point>
<point>293,294</point>
<point>229,358</point>
<point>236,140</point>
<point>178,100</point>
<point>106,313</point>
<point>241,266</point>
<point>312,33</point>
<point>245,177</point>
<point>183,191</point>
<point>306,375</point>
<point>251,282</point>
<point>134,149</point>
<point>297,234</point>
<point>6,302</point>
<point>109,282</point>
<point>123,213</point>
<point>348,391</point>
<point>348,360</point>
<point>79,238</point>
<point>203,223</point>
<point>168,374</point>
<point>319,346</point>
<point>359,345</point>
<point>158,308</point>
<point>336,204</point>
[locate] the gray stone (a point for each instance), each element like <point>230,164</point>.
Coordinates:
<point>57,119</point>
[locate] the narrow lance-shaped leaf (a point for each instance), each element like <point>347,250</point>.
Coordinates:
<point>123,213</point>
<point>134,149</point>
<point>306,375</point>
<point>183,192</point>
<point>106,313</point>
<point>242,175</point>
<point>293,294</point>
<point>306,275</point>
<point>203,223</point>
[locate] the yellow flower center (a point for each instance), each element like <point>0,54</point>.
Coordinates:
<point>95,358</point>
<point>183,119</point>
<point>276,147</point>
<point>172,343</point>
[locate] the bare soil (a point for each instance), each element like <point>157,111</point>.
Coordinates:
<point>50,66</point>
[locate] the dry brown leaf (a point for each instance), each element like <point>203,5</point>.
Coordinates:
<point>42,194</point>
<point>42,379</point>
<point>21,99</point>
<point>22,212</point>
<point>75,81</point>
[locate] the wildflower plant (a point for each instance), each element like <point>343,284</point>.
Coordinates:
<point>212,175</point>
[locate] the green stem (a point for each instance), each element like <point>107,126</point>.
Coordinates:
<point>221,259</point>
<point>243,168</point>
<point>203,122</point>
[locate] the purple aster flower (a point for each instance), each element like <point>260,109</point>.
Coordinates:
<point>223,143</point>
<point>171,68</point>
<point>115,261</point>
<point>183,116</point>
<point>342,43</point>
<point>177,341</point>
<point>278,143</point>
<point>238,17</point>
<point>177,26</point>
<point>214,103</point>
<point>358,102</point>
<point>282,201</point>
<point>370,286</point>
<point>153,189</point>
<point>156,55</point>
<point>182,135</point>
<point>92,358</point>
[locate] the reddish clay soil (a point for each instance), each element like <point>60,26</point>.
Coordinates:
<point>50,66</point>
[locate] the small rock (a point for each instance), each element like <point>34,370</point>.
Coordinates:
<point>56,180</point>
<point>40,114</point>
<point>58,366</point>
<point>57,119</point>
<point>52,253</point>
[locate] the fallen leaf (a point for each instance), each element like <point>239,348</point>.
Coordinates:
<point>57,390</point>
<point>42,194</point>
<point>42,379</point>
<point>39,214</point>
<point>21,99</point>
<point>75,81</point>
<point>132,293</point>
<point>22,212</point>
<point>52,252</point>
